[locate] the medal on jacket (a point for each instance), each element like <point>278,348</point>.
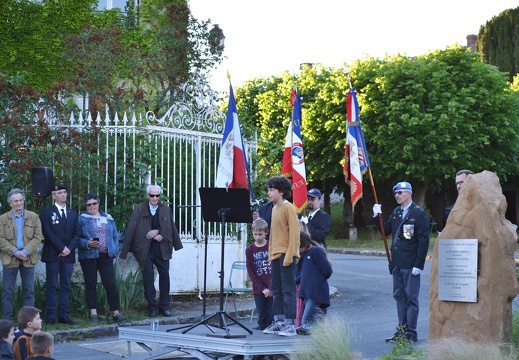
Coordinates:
<point>55,218</point>
<point>408,230</point>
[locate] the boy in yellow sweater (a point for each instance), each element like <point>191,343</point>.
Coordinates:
<point>283,255</point>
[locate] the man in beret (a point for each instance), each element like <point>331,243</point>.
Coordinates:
<point>319,222</point>
<point>410,229</point>
<point>61,232</point>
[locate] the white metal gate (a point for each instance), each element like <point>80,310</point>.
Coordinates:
<point>187,142</point>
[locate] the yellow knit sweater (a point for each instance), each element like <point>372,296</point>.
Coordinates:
<point>284,233</point>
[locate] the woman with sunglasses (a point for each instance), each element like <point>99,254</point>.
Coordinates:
<point>99,245</point>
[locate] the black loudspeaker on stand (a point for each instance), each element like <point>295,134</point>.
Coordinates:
<point>42,181</point>
<point>224,206</point>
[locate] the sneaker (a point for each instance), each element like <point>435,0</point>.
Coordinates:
<point>273,328</point>
<point>288,330</point>
<point>303,330</point>
<point>94,319</point>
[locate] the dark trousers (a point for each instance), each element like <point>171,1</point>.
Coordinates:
<point>264,309</point>
<point>150,294</point>
<point>54,269</point>
<point>9,287</point>
<point>284,289</point>
<point>105,265</point>
<point>406,289</point>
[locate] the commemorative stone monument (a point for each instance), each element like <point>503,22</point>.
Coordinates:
<point>476,289</point>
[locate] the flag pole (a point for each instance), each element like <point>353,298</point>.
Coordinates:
<point>379,216</point>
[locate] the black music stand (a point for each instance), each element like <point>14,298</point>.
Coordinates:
<point>224,205</point>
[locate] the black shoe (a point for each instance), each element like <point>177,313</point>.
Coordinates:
<point>152,312</point>
<point>94,319</point>
<point>120,319</point>
<point>395,336</point>
<point>166,313</point>
<point>51,321</point>
<point>66,320</point>
<point>411,338</point>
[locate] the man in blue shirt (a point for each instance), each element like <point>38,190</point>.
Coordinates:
<point>20,236</point>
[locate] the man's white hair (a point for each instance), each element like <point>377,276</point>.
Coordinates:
<point>148,188</point>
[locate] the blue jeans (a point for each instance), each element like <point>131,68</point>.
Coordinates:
<point>264,308</point>
<point>9,285</point>
<point>312,310</point>
<point>54,269</point>
<point>406,288</point>
<point>284,289</point>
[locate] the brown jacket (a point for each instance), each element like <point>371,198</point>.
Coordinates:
<point>32,237</point>
<point>139,225</point>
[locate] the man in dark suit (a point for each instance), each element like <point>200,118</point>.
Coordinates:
<point>319,222</point>
<point>410,229</point>
<point>61,233</point>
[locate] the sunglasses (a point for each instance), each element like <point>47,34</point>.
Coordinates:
<point>92,204</point>
<point>154,195</point>
<point>398,192</point>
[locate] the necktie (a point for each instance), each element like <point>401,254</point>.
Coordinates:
<point>63,217</point>
<point>310,218</point>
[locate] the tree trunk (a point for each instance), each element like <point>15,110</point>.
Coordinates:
<point>343,232</point>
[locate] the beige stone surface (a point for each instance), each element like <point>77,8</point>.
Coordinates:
<point>479,213</point>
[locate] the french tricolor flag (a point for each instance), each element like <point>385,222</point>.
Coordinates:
<point>232,166</point>
<point>293,165</point>
<point>356,159</point>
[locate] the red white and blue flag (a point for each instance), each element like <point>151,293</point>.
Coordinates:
<point>356,159</point>
<point>293,165</point>
<point>232,166</point>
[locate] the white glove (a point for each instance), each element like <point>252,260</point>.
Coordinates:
<point>416,271</point>
<point>304,219</point>
<point>377,209</point>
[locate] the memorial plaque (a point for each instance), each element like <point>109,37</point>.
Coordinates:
<point>458,270</point>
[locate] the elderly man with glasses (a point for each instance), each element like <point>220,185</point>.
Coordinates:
<point>410,229</point>
<point>151,236</point>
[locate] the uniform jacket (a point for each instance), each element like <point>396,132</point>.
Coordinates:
<point>87,232</point>
<point>59,234</point>
<point>411,240</point>
<point>319,226</point>
<point>139,225</point>
<point>32,237</point>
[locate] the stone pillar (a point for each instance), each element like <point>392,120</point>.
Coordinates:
<point>353,235</point>
<point>479,213</point>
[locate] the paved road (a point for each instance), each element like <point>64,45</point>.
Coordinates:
<point>366,304</point>
<point>364,301</point>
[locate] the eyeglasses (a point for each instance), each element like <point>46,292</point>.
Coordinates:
<point>154,195</point>
<point>92,204</point>
<point>399,192</point>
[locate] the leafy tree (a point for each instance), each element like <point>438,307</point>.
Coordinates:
<point>426,117</point>
<point>32,36</point>
<point>137,60</point>
<point>498,39</point>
